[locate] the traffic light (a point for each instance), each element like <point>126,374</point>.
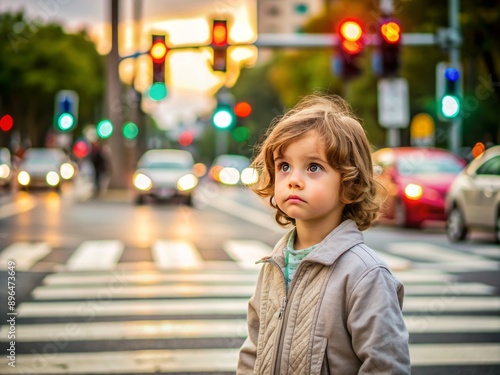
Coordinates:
<point>6,123</point>
<point>219,45</point>
<point>158,53</point>
<point>242,109</point>
<point>223,116</point>
<point>349,48</point>
<point>130,130</point>
<point>389,48</point>
<point>81,148</point>
<point>65,110</point>
<point>104,129</point>
<point>448,91</point>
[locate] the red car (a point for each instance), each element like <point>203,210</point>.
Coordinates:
<point>417,182</point>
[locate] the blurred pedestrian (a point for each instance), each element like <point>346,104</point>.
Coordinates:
<point>100,161</point>
<point>325,303</point>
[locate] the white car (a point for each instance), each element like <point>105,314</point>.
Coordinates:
<point>473,200</point>
<point>165,174</point>
<point>6,170</point>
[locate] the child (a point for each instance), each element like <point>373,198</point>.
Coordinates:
<point>325,303</point>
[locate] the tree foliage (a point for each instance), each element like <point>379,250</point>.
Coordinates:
<point>299,72</point>
<point>38,61</point>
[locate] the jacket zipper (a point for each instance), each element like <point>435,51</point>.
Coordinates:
<point>280,314</point>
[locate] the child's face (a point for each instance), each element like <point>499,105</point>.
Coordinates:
<point>306,187</point>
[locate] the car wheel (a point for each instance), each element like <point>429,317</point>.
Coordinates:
<point>401,216</point>
<point>456,229</point>
<point>139,200</point>
<point>189,200</point>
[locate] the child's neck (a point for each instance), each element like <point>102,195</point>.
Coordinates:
<point>312,233</point>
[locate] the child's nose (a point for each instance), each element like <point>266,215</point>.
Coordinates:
<point>295,180</point>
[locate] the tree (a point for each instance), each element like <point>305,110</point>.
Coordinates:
<point>39,60</point>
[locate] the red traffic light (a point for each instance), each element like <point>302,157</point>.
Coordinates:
<point>158,51</point>
<point>6,123</point>
<point>81,148</point>
<point>391,32</point>
<point>242,109</point>
<point>351,34</point>
<point>219,33</point>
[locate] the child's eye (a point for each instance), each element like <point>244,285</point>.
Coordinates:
<point>283,167</point>
<point>315,168</point>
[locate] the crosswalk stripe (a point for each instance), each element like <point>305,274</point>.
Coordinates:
<point>176,254</point>
<point>103,305</point>
<point>25,254</point>
<point>429,252</point>
<point>447,324</point>
<point>130,330</point>
<point>130,277</point>
<point>395,263</point>
<point>448,302</point>
<point>182,329</point>
<point>147,291</point>
<point>140,361</point>
<point>96,255</point>
<point>246,252</point>
<point>454,354</point>
<point>422,276</point>
<point>438,288</point>
<point>493,252</point>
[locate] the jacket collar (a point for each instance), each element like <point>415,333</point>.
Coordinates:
<point>336,243</point>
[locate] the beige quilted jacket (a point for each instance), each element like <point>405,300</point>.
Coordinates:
<point>342,314</point>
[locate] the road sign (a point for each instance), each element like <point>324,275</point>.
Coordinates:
<point>393,103</point>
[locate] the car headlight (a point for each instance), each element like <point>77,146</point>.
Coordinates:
<point>413,191</point>
<point>23,178</point>
<point>4,171</point>
<point>187,182</point>
<point>229,176</point>
<point>249,176</point>
<point>67,171</point>
<point>142,182</point>
<point>52,178</point>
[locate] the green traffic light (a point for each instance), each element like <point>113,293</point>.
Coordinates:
<point>104,129</point>
<point>223,118</point>
<point>65,121</point>
<point>130,130</point>
<point>240,134</point>
<point>450,106</point>
<point>158,91</point>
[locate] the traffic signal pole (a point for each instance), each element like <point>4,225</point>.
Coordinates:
<point>454,51</point>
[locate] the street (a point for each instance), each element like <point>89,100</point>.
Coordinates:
<point>105,286</point>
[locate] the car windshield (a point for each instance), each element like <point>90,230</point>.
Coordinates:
<point>421,164</point>
<point>165,165</point>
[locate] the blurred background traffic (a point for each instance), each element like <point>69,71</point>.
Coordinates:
<point>127,130</point>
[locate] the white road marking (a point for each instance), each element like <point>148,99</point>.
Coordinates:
<point>246,252</point>
<point>176,254</point>
<point>95,255</point>
<point>25,254</point>
<point>101,305</point>
<point>140,361</point>
<point>141,291</point>
<point>454,354</point>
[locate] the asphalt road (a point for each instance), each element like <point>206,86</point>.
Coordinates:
<point>105,286</point>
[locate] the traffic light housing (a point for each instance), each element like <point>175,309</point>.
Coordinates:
<point>219,45</point>
<point>349,47</point>
<point>448,91</point>
<point>158,53</point>
<point>66,110</point>
<point>389,48</point>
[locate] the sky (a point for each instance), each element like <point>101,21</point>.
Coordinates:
<point>190,80</point>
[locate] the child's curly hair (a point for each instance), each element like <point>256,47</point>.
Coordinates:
<point>347,149</point>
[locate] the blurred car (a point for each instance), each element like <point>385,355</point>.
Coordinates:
<point>6,170</point>
<point>45,167</point>
<point>474,197</point>
<point>417,181</point>
<point>165,174</point>
<point>231,169</point>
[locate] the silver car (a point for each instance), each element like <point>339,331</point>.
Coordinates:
<point>165,174</point>
<point>474,197</point>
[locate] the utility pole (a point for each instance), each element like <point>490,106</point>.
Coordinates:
<point>114,105</point>
<point>455,132</point>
